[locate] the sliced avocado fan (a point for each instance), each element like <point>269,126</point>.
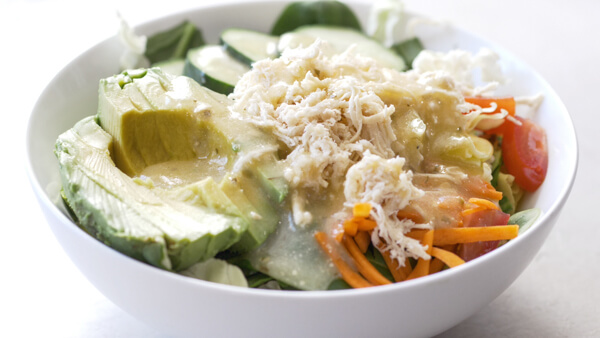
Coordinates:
<point>130,217</point>
<point>146,117</point>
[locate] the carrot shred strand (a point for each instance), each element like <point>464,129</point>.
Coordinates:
<point>422,267</point>
<point>407,268</point>
<point>436,266</point>
<point>355,236</point>
<point>483,203</point>
<point>475,234</point>
<point>399,273</point>
<point>483,189</point>
<point>365,224</point>
<point>352,278</point>
<point>470,211</point>
<point>492,193</point>
<point>364,266</point>
<point>449,258</point>
<point>506,103</point>
<point>339,236</point>
<point>416,234</point>
<point>363,240</point>
<point>409,214</point>
<point>350,227</point>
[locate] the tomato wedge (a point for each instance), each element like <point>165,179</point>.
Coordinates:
<point>525,153</point>
<point>482,218</point>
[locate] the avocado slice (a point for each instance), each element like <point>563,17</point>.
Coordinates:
<point>255,206</point>
<point>147,118</point>
<point>240,195</point>
<point>134,218</point>
<point>156,118</point>
<point>141,109</point>
<point>88,143</point>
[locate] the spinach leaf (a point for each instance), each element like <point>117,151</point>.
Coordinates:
<point>173,43</point>
<point>408,50</point>
<point>301,13</point>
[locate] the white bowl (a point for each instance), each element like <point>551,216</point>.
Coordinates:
<point>181,305</point>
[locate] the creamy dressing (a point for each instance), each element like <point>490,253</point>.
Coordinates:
<point>173,174</point>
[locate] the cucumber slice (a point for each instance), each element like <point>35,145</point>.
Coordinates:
<point>213,68</point>
<point>342,38</point>
<point>173,67</point>
<point>249,46</point>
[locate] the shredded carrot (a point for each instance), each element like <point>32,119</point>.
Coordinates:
<point>492,193</point>
<point>447,257</point>
<point>348,274</point>
<point>507,103</point>
<point>355,236</point>
<point>410,214</point>
<point>422,267</point>
<point>435,266</point>
<point>350,227</point>
<point>365,224</point>
<point>407,268</point>
<point>483,189</point>
<point>484,203</point>
<point>361,210</point>
<point>468,235</point>
<point>399,273</point>
<point>416,234</point>
<point>363,239</point>
<point>470,211</point>
<point>364,266</point>
<point>338,236</point>
<point>359,221</point>
<point>475,234</point>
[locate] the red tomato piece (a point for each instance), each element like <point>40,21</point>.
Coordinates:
<point>525,153</point>
<point>482,218</point>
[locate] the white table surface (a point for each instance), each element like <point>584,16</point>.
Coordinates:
<point>42,294</point>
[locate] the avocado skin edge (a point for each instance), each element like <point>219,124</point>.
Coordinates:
<point>92,221</point>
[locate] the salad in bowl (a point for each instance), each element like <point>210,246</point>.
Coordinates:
<point>313,157</point>
<point>286,166</point>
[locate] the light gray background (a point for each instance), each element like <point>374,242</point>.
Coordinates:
<point>42,293</point>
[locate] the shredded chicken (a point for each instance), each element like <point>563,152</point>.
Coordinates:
<point>388,188</point>
<point>344,118</point>
<point>320,108</point>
